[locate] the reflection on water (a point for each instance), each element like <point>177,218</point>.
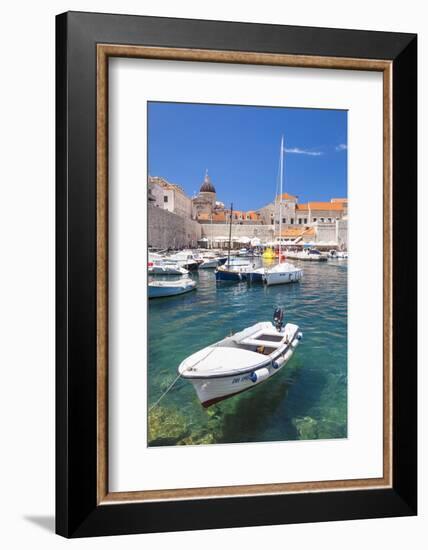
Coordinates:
<point>306,400</point>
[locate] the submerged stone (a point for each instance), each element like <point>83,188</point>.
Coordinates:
<point>166,427</point>
<point>306,427</point>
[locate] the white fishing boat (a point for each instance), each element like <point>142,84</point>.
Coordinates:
<point>283,273</point>
<point>163,289</point>
<point>242,361</point>
<point>209,262</point>
<point>244,252</point>
<point>165,267</point>
<point>308,255</point>
<point>337,255</point>
<point>185,259</point>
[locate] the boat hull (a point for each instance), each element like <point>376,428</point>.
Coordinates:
<point>280,278</point>
<point>213,390</point>
<point>165,292</point>
<point>230,276</point>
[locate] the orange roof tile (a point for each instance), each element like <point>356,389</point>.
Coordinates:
<point>286,196</point>
<point>219,217</point>
<point>203,216</point>
<point>293,232</point>
<point>344,201</point>
<point>302,206</point>
<point>325,206</point>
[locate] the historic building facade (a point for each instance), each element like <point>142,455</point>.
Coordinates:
<point>284,219</point>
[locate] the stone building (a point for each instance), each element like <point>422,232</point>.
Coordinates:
<point>314,221</point>
<point>169,196</point>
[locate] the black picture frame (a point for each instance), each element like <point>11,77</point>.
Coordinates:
<point>77,511</point>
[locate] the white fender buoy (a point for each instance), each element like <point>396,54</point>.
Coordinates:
<point>259,375</point>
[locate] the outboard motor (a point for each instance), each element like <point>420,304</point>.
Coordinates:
<point>278,318</point>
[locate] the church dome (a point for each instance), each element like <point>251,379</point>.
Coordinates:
<point>207,186</point>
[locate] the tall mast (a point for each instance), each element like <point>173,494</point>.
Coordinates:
<point>281,174</point>
<point>230,234</point>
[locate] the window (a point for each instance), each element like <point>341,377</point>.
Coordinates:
<point>165,198</point>
<point>284,220</point>
<point>314,219</point>
<point>322,220</point>
<point>329,220</point>
<point>305,221</point>
<point>291,221</point>
<point>300,221</point>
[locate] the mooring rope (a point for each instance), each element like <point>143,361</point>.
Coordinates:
<point>169,388</point>
<point>176,379</point>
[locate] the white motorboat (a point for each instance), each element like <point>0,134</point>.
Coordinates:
<point>186,259</point>
<point>337,255</point>
<point>163,289</point>
<point>244,252</point>
<point>209,262</point>
<point>308,255</point>
<point>283,273</point>
<point>242,361</point>
<point>165,267</point>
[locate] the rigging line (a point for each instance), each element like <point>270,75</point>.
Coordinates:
<point>164,393</point>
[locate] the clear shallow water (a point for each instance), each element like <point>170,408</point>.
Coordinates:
<point>307,399</point>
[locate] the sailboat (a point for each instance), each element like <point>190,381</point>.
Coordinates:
<point>282,272</point>
<point>231,271</point>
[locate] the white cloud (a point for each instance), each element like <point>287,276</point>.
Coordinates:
<point>341,147</point>
<point>297,151</point>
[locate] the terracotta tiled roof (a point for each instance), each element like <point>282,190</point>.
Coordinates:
<point>344,201</point>
<point>219,217</point>
<point>287,197</point>
<point>293,232</point>
<point>325,206</point>
<point>203,216</point>
<point>253,215</point>
<point>302,206</point>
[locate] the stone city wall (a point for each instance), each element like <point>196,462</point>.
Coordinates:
<point>263,232</point>
<point>168,230</point>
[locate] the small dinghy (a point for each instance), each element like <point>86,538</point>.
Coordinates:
<point>162,289</point>
<point>242,361</point>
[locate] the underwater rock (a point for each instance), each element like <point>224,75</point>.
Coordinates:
<point>329,429</point>
<point>166,427</point>
<point>198,439</point>
<point>306,427</point>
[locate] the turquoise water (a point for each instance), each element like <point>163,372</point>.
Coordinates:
<point>307,399</point>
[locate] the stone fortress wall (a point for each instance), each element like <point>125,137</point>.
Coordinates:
<point>169,230</point>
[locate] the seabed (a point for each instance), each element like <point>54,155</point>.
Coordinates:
<point>307,400</point>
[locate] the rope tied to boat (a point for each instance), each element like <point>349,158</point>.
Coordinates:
<point>169,388</point>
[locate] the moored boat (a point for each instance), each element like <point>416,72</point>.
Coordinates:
<point>165,267</point>
<point>309,255</point>
<point>242,361</point>
<point>163,289</point>
<point>186,259</point>
<point>283,273</point>
<point>337,255</point>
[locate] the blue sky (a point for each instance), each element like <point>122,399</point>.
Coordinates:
<point>240,147</point>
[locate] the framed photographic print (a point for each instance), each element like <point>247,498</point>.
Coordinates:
<point>236,274</point>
